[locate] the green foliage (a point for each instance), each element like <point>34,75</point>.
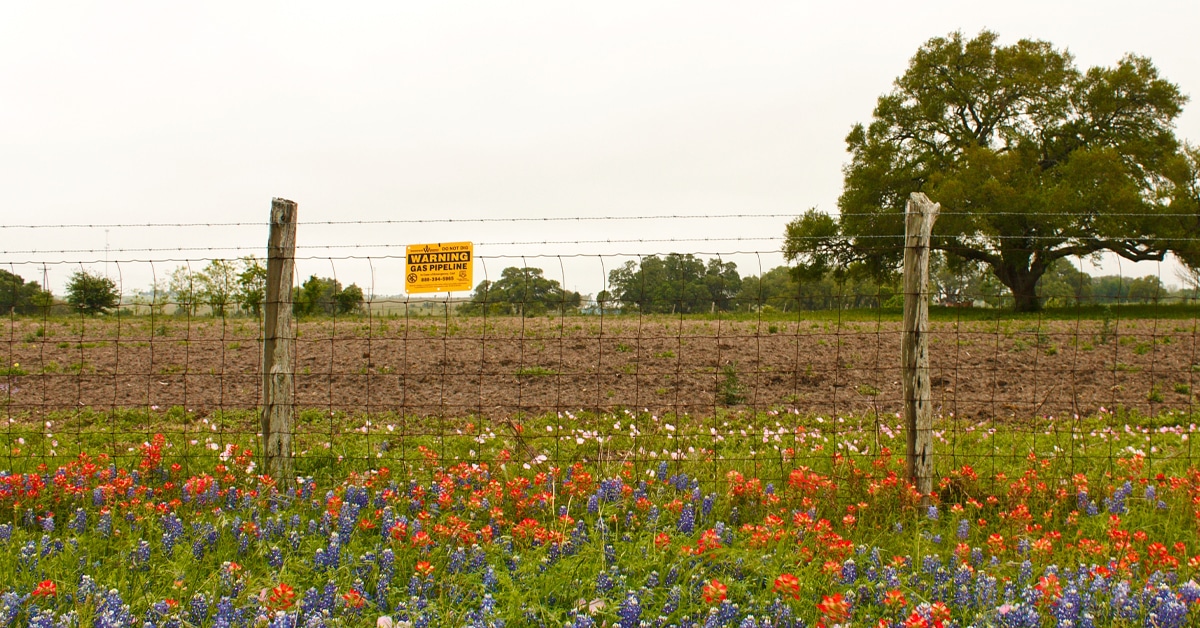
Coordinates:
<point>675,284</point>
<point>730,391</point>
<point>1031,159</point>
<point>221,284</point>
<point>21,297</point>
<point>252,285</point>
<point>521,291</point>
<point>785,289</point>
<point>325,296</point>
<point>1065,284</point>
<point>218,283</point>
<point>91,293</point>
<point>183,286</point>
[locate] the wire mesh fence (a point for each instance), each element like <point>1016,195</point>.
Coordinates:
<point>648,350</point>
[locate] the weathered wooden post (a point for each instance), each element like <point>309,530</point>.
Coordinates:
<point>920,213</point>
<point>278,343</point>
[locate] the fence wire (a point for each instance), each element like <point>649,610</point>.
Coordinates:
<point>759,369</point>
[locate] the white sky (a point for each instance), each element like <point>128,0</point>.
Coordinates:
<point>137,112</point>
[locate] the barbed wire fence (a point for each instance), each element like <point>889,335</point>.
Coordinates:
<point>762,367</point>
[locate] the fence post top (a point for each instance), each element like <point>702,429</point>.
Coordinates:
<point>921,203</point>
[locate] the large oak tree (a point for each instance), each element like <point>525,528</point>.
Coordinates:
<point>1031,159</point>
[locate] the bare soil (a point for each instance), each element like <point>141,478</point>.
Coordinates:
<point>432,367</point>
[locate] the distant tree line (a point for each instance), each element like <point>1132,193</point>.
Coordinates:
<point>671,284</point>
<point>521,292</point>
<point>229,286</point>
<point>18,296</point>
<point>221,288</point>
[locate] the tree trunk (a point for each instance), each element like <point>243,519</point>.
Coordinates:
<point>1025,298</point>
<point>1022,283</point>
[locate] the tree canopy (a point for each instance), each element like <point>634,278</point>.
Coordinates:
<point>92,293</point>
<point>780,289</point>
<point>674,284</point>
<point>325,295</point>
<point>521,291</point>
<point>1031,159</point>
<point>22,297</point>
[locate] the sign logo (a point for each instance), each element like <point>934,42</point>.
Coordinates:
<point>442,267</point>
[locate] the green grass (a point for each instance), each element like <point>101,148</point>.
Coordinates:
<point>535,371</point>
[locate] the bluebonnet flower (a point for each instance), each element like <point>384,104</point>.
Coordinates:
<point>1124,605</point>
<point>687,519</point>
<point>28,558</point>
<point>1164,610</point>
<point>581,621</point>
<point>5,533</point>
<point>930,564</point>
<point>630,611</point>
<point>490,582</point>
<point>985,591</point>
<point>610,489</point>
<point>891,577</point>
<point>1116,504</point>
<point>105,523</point>
<point>78,523</point>
<point>283,619</point>
<point>849,571</point>
<point>1189,592</point>
<point>198,609</point>
<point>604,583</point>
<point>964,529</point>
<point>707,506</point>
<point>1069,605</point>
<point>672,603</point>
<point>661,475</point>
<point>932,513</point>
<point>112,611</point>
<point>11,605</point>
<point>42,619</point>
<point>458,560</point>
<point>142,555</point>
<point>1018,616</point>
<point>275,558</point>
<point>348,517</point>
<point>172,531</point>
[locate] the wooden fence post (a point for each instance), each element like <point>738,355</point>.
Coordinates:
<point>920,213</point>
<point>278,343</point>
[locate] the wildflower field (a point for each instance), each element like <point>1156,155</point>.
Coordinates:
<point>765,519</point>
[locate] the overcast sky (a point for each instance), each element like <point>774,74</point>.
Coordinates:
<point>137,112</point>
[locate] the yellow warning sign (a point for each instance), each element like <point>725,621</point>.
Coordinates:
<point>442,267</point>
